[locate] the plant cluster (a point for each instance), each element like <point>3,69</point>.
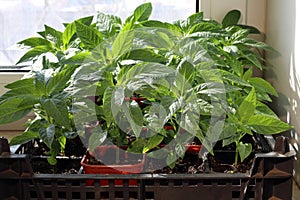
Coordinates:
<point>195,75</point>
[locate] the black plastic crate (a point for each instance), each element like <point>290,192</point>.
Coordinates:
<point>270,177</point>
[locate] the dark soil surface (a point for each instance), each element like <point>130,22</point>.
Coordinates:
<point>222,161</point>
<point>67,162</point>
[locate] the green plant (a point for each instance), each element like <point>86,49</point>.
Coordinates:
<point>43,94</point>
<point>196,75</point>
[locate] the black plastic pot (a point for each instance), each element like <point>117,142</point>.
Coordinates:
<point>270,177</point>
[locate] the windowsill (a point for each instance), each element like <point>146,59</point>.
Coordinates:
<point>14,69</point>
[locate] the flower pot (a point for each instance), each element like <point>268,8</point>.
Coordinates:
<point>108,154</point>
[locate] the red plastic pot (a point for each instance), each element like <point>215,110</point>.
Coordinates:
<point>193,148</point>
<point>101,151</point>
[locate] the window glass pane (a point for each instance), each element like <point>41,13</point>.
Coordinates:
<point>20,19</point>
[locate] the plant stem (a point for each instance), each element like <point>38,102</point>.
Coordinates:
<point>236,154</point>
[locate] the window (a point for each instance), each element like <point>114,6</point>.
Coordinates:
<point>20,19</point>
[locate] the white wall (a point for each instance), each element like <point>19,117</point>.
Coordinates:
<point>253,11</point>
<point>282,32</point>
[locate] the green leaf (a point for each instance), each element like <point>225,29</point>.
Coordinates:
<point>146,55</point>
<point>77,59</point>
<point>153,142</point>
<point>239,35</point>
<point>142,12</point>
<point>57,109</point>
<point>35,41</point>
<point>34,53</point>
<point>262,109</point>
<point>47,134</point>
<point>231,49</point>
<point>108,25</point>
<point>164,25</point>
<point>248,74</point>
<point>259,45</point>
<point>89,36</point>
<point>11,110</point>
<point>247,107</point>
<point>191,21</point>
<point>204,26</point>
<point>53,35</point>
<point>107,105</point>
<point>134,116</point>
<point>262,85</point>
<point>233,78</point>
<point>58,82</point>
<point>68,33</point>
<point>52,160</point>
<point>253,59</point>
<point>157,117</point>
<point>24,138</point>
<point>187,70</point>
<point>231,18</point>
<point>23,88</point>
<point>27,82</point>
<point>267,124</point>
<point>97,138</point>
<point>251,29</point>
<point>229,135</point>
<point>244,150</point>
<point>171,160</point>
<point>86,20</point>
<point>122,44</point>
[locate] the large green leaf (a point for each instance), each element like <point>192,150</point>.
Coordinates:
<point>122,44</point>
<point>23,88</point>
<point>157,117</point>
<point>35,41</point>
<point>164,25</point>
<point>24,138</point>
<point>89,36</point>
<point>258,44</point>
<point>58,82</point>
<point>77,59</point>
<point>27,82</point>
<point>134,116</point>
<point>57,109</point>
<point>233,78</point>
<point>203,26</point>
<point>247,107</point>
<point>10,110</point>
<point>68,33</point>
<point>53,35</point>
<point>47,134</point>
<point>142,12</point>
<point>185,73</point>
<point>231,18</point>
<point>253,59</point>
<point>239,35</point>
<point>262,85</point>
<point>108,25</point>
<point>267,124</point>
<point>263,109</point>
<point>190,22</point>
<point>34,53</point>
